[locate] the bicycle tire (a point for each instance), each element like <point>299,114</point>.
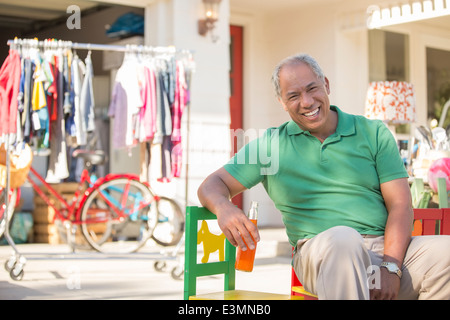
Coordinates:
<point>11,206</point>
<point>170,227</point>
<point>100,224</point>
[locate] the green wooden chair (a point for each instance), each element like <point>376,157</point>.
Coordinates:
<point>442,193</point>
<point>193,269</point>
<point>421,196</point>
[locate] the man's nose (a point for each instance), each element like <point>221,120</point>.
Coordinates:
<point>306,100</point>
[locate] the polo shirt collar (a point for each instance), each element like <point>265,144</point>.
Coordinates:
<point>345,127</point>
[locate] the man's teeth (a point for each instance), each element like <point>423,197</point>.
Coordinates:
<point>312,113</point>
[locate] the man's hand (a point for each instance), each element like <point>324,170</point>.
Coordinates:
<point>215,194</point>
<point>238,229</point>
<point>390,286</point>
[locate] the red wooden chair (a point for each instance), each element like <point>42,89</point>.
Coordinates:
<point>427,221</point>
<point>431,221</point>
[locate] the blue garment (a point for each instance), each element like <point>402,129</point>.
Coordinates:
<point>87,102</point>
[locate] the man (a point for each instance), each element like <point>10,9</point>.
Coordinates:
<point>343,193</point>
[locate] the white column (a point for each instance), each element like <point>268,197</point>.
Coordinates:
<point>174,22</point>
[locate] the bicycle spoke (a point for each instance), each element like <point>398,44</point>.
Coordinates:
<point>122,207</point>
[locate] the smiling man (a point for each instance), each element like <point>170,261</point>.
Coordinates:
<point>343,193</point>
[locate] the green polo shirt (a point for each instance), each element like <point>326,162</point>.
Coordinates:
<point>317,185</point>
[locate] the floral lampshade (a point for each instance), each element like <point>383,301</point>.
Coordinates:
<point>391,101</point>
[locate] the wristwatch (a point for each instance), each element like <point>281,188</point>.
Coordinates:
<point>392,268</point>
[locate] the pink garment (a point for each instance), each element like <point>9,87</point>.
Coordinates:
<point>9,91</point>
<point>179,103</point>
<point>177,113</point>
<point>148,111</point>
<point>177,159</point>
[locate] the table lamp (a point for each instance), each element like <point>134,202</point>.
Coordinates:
<point>391,101</point>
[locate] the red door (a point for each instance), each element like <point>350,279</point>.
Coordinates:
<point>236,89</point>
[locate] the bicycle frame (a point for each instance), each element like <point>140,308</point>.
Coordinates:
<point>73,210</point>
<point>65,205</point>
<point>118,208</point>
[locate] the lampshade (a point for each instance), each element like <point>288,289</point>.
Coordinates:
<point>391,101</point>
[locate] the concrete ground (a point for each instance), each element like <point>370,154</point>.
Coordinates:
<point>52,272</point>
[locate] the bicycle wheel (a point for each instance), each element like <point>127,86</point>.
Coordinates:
<point>170,227</point>
<point>11,206</point>
<point>116,216</point>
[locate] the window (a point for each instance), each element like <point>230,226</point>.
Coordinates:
<point>438,85</point>
<point>389,61</point>
<point>388,56</point>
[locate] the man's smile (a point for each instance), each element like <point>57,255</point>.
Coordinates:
<point>312,114</point>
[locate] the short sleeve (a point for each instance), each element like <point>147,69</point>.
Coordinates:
<point>256,160</point>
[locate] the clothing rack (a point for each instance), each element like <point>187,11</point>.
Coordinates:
<point>61,44</point>
<point>52,43</point>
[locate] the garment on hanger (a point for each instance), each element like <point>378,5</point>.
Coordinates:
<point>87,102</point>
<point>148,110</point>
<point>47,100</point>
<point>154,115</point>
<point>58,169</point>
<point>126,103</point>
<point>9,91</point>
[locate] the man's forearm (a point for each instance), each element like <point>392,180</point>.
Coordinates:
<point>214,194</point>
<point>397,235</point>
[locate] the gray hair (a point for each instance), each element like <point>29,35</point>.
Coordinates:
<point>298,58</point>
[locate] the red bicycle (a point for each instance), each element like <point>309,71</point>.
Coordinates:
<point>116,214</point>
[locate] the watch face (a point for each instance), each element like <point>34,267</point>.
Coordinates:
<point>392,268</point>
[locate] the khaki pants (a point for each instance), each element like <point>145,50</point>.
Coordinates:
<point>337,264</point>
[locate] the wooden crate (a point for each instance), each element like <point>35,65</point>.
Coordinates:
<point>45,230</point>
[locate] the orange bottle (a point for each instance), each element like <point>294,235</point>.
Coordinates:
<point>245,259</point>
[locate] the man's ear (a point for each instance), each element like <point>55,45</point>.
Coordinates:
<point>327,85</point>
<point>282,104</point>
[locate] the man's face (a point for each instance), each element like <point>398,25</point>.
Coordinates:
<point>305,97</point>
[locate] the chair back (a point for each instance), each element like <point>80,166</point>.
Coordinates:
<point>431,221</point>
<point>193,269</point>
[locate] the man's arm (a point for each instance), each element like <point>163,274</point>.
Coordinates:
<point>397,196</point>
<point>215,194</point>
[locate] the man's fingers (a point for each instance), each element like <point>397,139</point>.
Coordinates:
<point>230,237</point>
<point>238,240</point>
<point>249,235</point>
<point>242,237</point>
<point>239,230</point>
